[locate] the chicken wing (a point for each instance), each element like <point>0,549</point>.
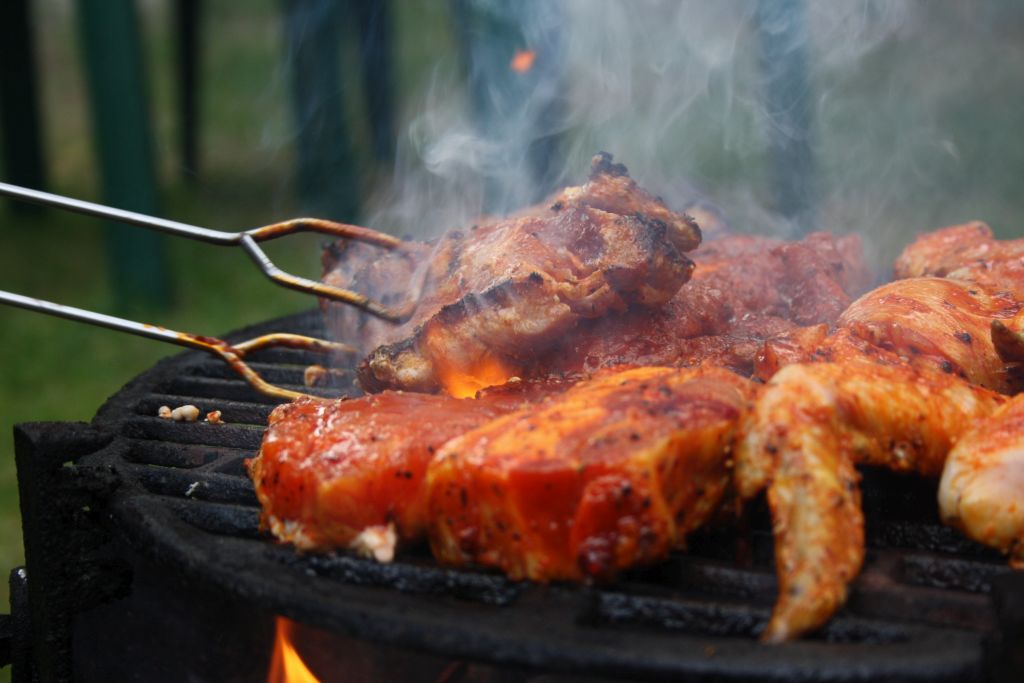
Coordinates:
<point>811,424</point>
<point>609,475</point>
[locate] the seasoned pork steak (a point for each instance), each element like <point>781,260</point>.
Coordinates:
<point>489,299</point>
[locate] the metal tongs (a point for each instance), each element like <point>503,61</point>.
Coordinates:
<point>232,354</point>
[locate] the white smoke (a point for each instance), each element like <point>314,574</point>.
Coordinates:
<point>677,91</point>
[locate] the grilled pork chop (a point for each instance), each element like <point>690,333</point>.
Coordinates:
<point>745,289</point>
<point>490,298</point>
<point>329,470</point>
<point>609,475</point>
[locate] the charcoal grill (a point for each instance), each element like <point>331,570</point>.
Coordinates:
<point>144,561</point>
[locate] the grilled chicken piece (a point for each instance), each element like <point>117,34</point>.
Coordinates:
<point>954,324</point>
<point>982,488</point>
<point>808,428</point>
<point>938,323</point>
<point>927,322</point>
<point>492,298</point>
<point>814,344</point>
<point>896,385</point>
<point>609,475</point>
<point>328,470</point>
<point>968,253</point>
<point>989,268</point>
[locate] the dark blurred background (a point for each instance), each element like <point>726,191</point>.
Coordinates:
<point>885,118</point>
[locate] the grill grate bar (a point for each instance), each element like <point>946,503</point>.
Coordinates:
<point>183,456</point>
<point>214,487</point>
<point>927,536</point>
<point>899,602</point>
<point>699,575</point>
<point>217,518</point>
<point>198,433</point>
<point>951,573</point>
<point>738,620</point>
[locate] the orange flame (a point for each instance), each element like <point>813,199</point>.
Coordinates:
<point>465,382</point>
<point>522,61</point>
<point>286,665</point>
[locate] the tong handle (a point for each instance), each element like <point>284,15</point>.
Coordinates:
<point>247,240</point>
<point>119,215</point>
<point>230,354</point>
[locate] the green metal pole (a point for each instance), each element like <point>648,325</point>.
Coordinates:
<point>521,112</point>
<point>20,125</point>
<point>188,18</point>
<point>373,23</point>
<point>112,47</point>
<point>327,178</point>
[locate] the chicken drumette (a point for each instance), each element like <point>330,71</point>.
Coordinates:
<point>911,370</point>
<point>809,427</point>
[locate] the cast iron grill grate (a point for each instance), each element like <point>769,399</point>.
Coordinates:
<point>921,609</point>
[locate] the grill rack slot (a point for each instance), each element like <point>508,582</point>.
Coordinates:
<point>198,485</point>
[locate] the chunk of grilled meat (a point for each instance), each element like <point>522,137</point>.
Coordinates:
<point>967,253</point>
<point>327,470</point>
<point>896,385</point>
<point>808,428</point>
<point>950,311</point>
<point>970,254</point>
<point>939,323</point>
<point>982,488</point>
<point>744,290</point>
<point>609,475</point>
<point>388,277</point>
<point>501,292</point>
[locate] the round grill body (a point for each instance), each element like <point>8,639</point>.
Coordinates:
<point>177,495</point>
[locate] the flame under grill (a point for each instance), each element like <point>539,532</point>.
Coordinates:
<point>922,609</point>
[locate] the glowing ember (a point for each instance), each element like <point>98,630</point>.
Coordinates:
<point>465,382</point>
<point>286,666</point>
<point>522,61</point>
